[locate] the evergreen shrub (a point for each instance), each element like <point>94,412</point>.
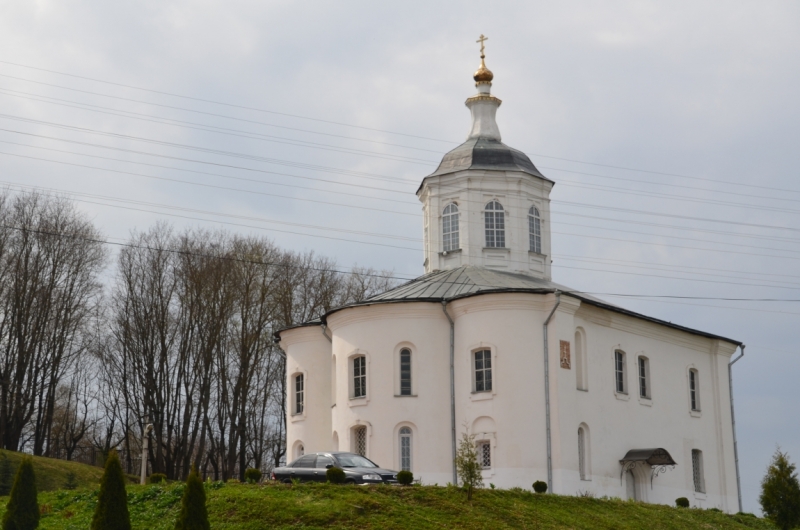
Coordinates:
<point>157,478</point>
<point>252,476</point>
<point>540,486</point>
<point>6,474</point>
<point>111,512</point>
<point>405,477</point>
<point>780,492</point>
<point>682,502</point>
<point>335,475</point>
<point>71,482</point>
<point>22,512</point>
<point>194,514</point>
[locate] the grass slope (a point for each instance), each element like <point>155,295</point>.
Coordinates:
<point>252,507</point>
<point>51,474</point>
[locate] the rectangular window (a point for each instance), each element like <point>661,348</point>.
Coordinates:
<point>644,386</point>
<point>299,402</point>
<point>619,371</point>
<point>697,471</point>
<point>693,389</point>
<point>483,371</point>
<point>485,454</point>
<point>359,377</point>
<point>405,372</point>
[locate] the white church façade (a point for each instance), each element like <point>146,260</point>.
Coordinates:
<point>554,384</point>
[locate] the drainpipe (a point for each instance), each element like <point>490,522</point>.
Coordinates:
<point>452,390</point>
<point>733,426</point>
<point>325,332</point>
<point>547,395</point>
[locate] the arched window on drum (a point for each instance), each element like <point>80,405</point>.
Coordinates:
<point>535,230</point>
<point>450,228</point>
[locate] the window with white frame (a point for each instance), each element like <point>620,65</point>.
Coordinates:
<point>299,393</point>
<point>450,227</point>
<point>405,372</point>
<point>485,454</point>
<point>582,456</point>
<point>535,230</point>
<point>360,440</point>
<point>494,219</point>
<point>697,471</point>
<point>620,375</point>
<point>694,389</point>
<point>359,376</point>
<point>644,377</point>
<point>405,449</point>
<point>483,370</point>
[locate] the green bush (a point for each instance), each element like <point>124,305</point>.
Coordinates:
<point>467,465</point>
<point>252,476</point>
<point>682,502</point>
<point>540,486</point>
<point>6,474</point>
<point>157,478</point>
<point>780,492</point>
<point>405,477</point>
<point>22,512</point>
<point>111,512</point>
<point>335,475</point>
<point>71,482</point>
<point>194,514</point>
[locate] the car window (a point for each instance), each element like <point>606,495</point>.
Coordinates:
<point>305,461</point>
<point>323,461</point>
<point>353,460</point>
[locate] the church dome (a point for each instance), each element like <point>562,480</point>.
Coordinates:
<point>483,74</point>
<point>484,153</point>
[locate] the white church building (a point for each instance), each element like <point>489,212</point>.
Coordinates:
<point>554,385</point>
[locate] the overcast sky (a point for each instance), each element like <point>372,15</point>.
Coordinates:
<point>670,128</point>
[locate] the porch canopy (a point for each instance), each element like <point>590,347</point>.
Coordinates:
<point>657,458</point>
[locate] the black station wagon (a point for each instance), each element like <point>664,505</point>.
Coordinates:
<point>314,466</point>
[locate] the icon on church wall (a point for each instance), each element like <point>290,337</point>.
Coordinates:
<point>565,362</point>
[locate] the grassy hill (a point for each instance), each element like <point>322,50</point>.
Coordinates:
<point>51,474</point>
<point>252,507</point>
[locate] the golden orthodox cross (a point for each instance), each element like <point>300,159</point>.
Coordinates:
<point>481,40</point>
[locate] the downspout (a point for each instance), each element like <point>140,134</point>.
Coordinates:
<point>452,390</point>
<point>733,426</point>
<point>324,332</point>
<point>547,395</point>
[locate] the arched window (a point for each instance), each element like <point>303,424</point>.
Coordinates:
<point>697,471</point>
<point>644,376</point>
<point>299,451</point>
<point>359,376</point>
<point>535,230</point>
<point>483,370</point>
<point>582,453</point>
<point>495,225</point>
<point>360,440</point>
<point>581,366</point>
<point>405,449</point>
<point>299,393</point>
<point>405,372</point>
<point>450,228</point>
<point>620,373</point>
<point>694,389</point>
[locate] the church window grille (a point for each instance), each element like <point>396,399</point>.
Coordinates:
<point>360,440</point>
<point>405,372</point>
<point>405,449</point>
<point>299,394</point>
<point>697,471</point>
<point>450,228</point>
<point>535,230</point>
<point>494,218</point>
<point>644,377</point>
<point>359,377</point>
<point>694,388</point>
<point>619,372</point>
<point>582,452</point>
<point>485,454</point>
<point>483,371</point>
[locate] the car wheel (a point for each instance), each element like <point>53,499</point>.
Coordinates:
<point>287,481</point>
<point>350,482</point>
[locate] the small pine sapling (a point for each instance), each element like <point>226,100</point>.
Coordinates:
<point>194,514</point>
<point>111,512</point>
<point>780,492</point>
<point>467,465</point>
<point>72,481</point>
<point>22,512</point>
